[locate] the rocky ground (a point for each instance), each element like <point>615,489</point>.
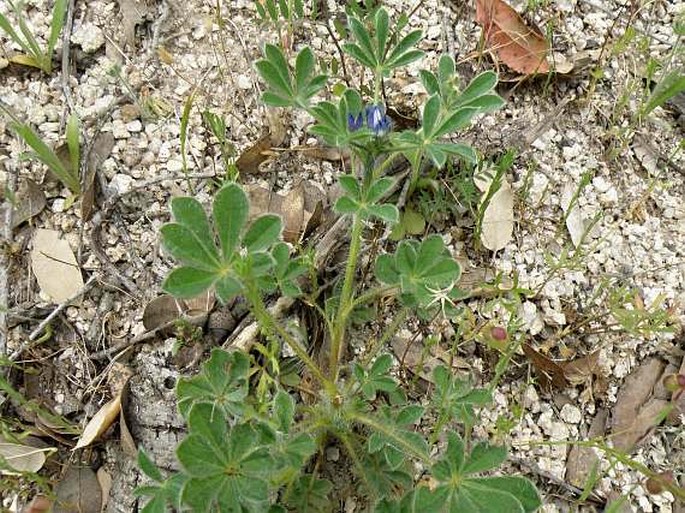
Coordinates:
<point>608,272</point>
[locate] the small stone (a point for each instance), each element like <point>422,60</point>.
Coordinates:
<point>244,82</point>
<point>119,130</point>
<point>134,126</point>
<point>174,166</point>
<point>332,453</point>
<point>531,318</point>
<point>129,112</point>
<point>89,37</point>
<point>58,205</point>
<point>570,414</point>
<point>121,183</point>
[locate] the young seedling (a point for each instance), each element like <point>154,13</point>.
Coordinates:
<point>34,54</point>
<point>67,172</point>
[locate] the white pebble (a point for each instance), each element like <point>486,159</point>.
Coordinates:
<point>570,414</point>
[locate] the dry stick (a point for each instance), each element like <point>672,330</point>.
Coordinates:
<point>124,346</point>
<point>4,266</point>
<point>102,215</point>
<point>43,324</point>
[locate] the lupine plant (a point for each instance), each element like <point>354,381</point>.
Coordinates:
<point>250,445</point>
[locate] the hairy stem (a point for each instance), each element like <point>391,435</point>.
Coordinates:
<point>346,299</point>
<point>273,328</point>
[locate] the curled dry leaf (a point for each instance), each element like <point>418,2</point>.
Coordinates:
<point>637,411</point>
<point>78,492</point>
<point>522,48</point>
<point>574,219</point>
<point>100,422</point>
<point>559,373</point>
<point>30,202</point>
<point>497,225</point>
<point>54,265</point>
<point>273,136</point>
<point>549,372</point>
<point>108,413</point>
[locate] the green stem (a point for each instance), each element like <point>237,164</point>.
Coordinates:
<point>370,295</point>
<point>378,80</point>
<point>340,322</point>
<point>272,328</point>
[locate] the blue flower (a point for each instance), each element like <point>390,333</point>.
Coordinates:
<point>377,121</point>
<point>354,123</point>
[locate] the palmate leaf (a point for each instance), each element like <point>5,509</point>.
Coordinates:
<point>457,488</point>
<point>222,383</point>
<point>228,467</point>
<point>289,87</point>
<point>310,495</point>
<point>418,268</point>
<point>243,252</point>
<point>364,202</point>
<point>374,52</point>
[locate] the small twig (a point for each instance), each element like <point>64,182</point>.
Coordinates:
<point>143,337</point>
<point>45,322</point>
<point>5,265</point>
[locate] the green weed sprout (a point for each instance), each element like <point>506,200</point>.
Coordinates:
<point>34,55</point>
<point>250,446</point>
<point>66,172</point>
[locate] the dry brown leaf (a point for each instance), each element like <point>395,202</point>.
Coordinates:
<point>581,370</point>
<point>298,207</point>
<point>22,458</point>
<point>549,372</point>
<point>273,136</point>
<point>636,412</point>
<point>497,225</point>
<point>105,481</point>
<point>250,160</point>
<point>78,492</point>
<point>54,265</point>
<point>99,151</point>
<point>30,202</point>
<point>582,461</point>
<point>161,311</point>
<point>100,423</point>
<point>519,46</point>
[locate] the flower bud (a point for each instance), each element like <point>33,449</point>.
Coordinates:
<point>498,333</point>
